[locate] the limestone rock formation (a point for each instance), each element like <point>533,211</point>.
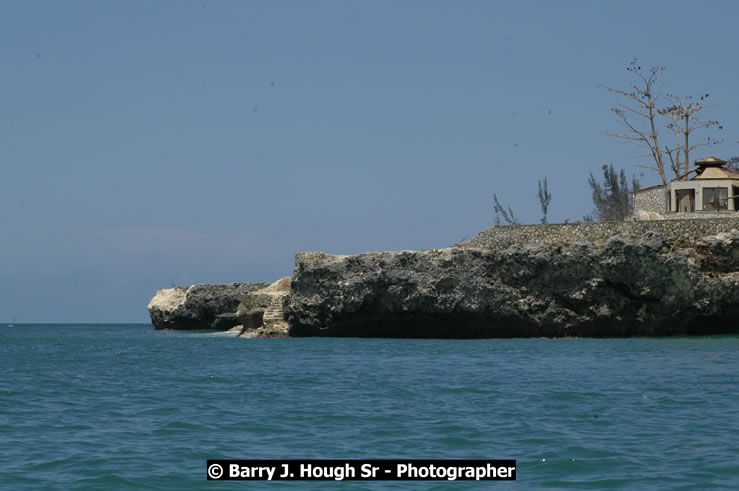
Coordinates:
<point>260,312</point>
<point>621,287</point>
<point>199,306</point>
<point>641,215</point>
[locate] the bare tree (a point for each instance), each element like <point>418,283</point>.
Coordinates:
<point>500,211</point>
<point>642,97</point>
<point>639,118</point>
<point>545,197</point>
<point>684,122</point>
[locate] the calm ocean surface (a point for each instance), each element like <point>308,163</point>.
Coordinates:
<point>126,407</point>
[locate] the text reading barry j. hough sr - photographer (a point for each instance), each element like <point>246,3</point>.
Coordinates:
<point>361,470</point>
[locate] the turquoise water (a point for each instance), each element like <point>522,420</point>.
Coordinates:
<point>126,407</point>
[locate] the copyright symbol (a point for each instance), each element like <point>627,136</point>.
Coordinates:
<point>215,471</point>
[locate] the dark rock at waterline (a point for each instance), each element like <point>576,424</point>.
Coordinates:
<point>623,287</point>
<point>200,306</point>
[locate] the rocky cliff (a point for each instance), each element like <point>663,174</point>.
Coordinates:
<point>261,311</point>
<point>623,286</point>
<point>199,306</point>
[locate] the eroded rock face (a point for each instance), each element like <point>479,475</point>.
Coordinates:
<point>199,306</point>
<point>261,312</point>
<point>623,287</point>
<point>640,215</point>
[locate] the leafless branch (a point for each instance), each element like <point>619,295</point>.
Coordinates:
<point>639,113</point>
<point>684,123</point>
<point>645,93</point>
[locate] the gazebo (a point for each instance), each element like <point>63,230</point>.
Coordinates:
<point>713,188</point>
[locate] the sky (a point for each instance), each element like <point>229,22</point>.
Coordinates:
<point>147,144</point>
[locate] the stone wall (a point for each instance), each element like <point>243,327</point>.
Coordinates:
<point>677,231</point>
<point>654,200</point>
<point>696,215</point>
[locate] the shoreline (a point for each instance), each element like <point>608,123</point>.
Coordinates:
<point>603,279</point>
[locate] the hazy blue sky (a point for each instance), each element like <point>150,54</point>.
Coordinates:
<point>145,144</point>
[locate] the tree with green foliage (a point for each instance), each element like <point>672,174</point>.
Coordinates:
<point>508,217</point>
<point>612,197</point>
<point>545,197</point>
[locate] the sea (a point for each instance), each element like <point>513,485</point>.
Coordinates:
<point>103,406</point>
